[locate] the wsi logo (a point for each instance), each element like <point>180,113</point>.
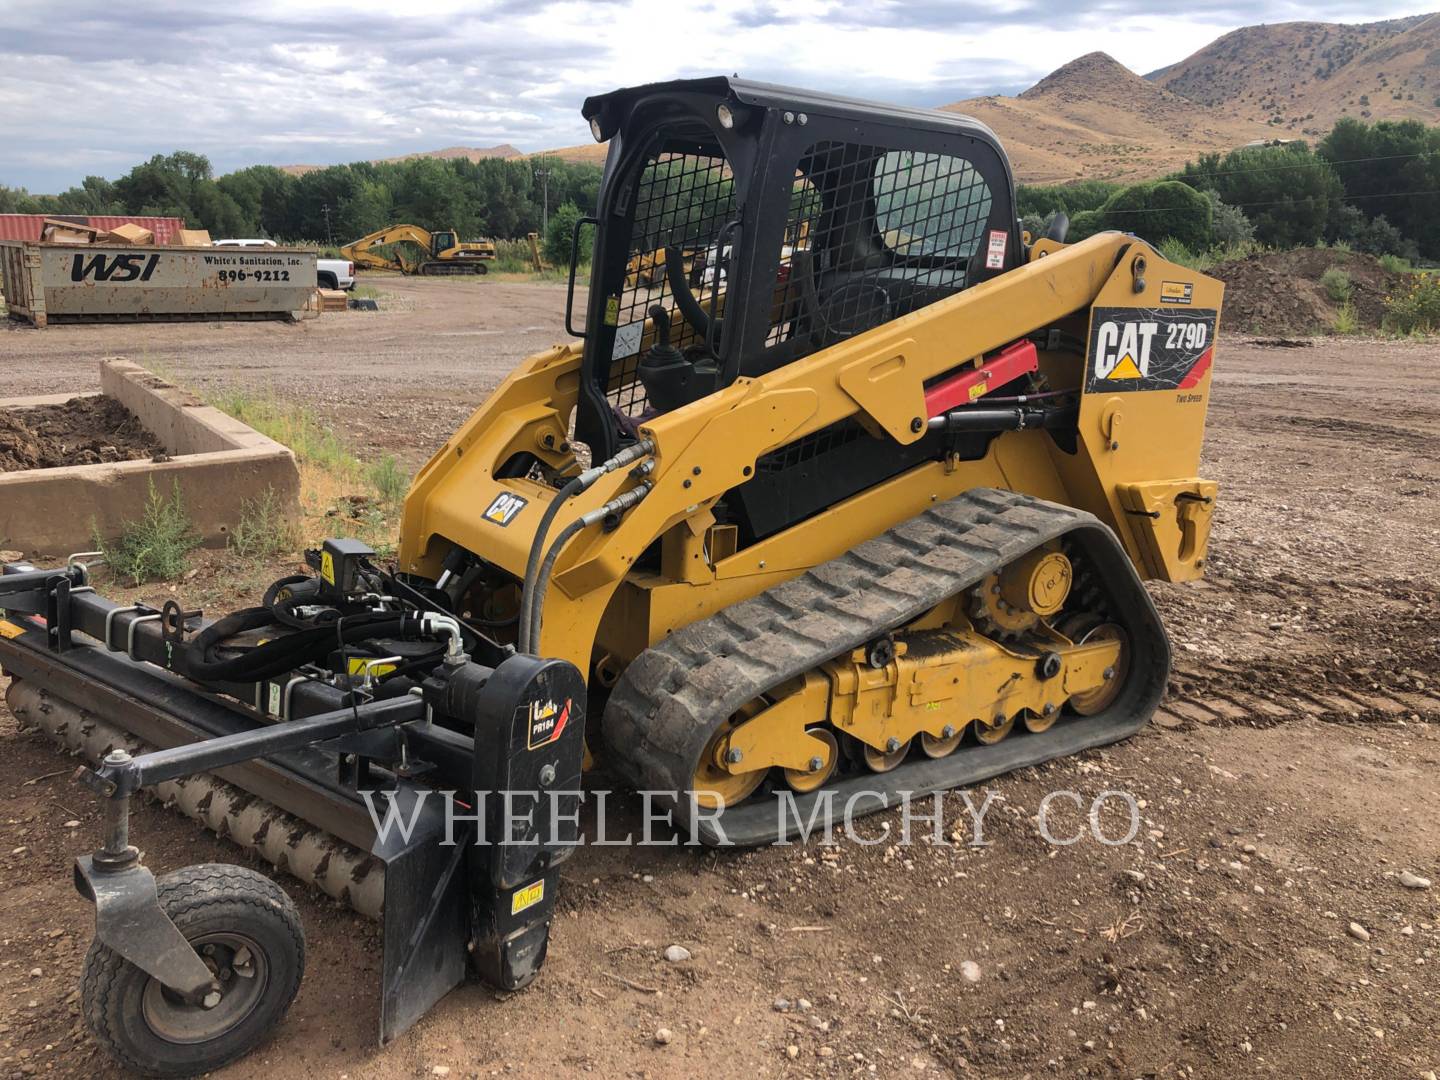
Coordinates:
<point>1122,350</point>
<point>130,266</point>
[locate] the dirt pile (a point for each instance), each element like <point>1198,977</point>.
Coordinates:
<point>82,431</point>
<point>1280,292</point>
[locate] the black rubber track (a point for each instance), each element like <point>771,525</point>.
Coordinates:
<point>670,700</point>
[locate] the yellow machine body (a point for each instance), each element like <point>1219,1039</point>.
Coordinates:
<point>1135,468</point>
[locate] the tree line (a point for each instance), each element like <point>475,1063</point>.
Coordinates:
<point>1373,186</point>
<point>493,197</point>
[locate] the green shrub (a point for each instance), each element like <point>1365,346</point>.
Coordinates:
<point>157,547</point>
<point>559,236</point>
<point>1180,254</point>
<point>1228,224</point>
<point>1034,224</point>
<point>1346,321</point>
<point>1083,225</point>
<point>1159,211</point>
<point>1395,264</point>
<point>389,479</point>
<point>264,529</point>
<point>1415,309</point>
<point>1336,283</point>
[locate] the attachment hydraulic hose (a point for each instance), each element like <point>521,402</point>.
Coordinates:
<point>617,505</point>
<point>537,546</point>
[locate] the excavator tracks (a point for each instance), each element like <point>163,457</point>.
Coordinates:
<point>669,702</point>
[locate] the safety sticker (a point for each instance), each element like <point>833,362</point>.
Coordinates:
<point>10,630</point>
<point>612,310</point>
<point>359,665</point>
<point>327,567</point>
<point>995,253</point>
<point>627,340</point>
<point>1149,349</point>
<point>547,722</point>
<point>504,509</point>
<point>1176,292</point>
<point>527,897</point>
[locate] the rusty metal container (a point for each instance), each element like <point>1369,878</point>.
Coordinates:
<point>45,283</point>
<point>29,226</point>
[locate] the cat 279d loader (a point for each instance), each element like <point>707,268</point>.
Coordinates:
<point>864,509</point>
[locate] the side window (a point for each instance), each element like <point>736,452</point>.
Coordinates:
<point>929,205</point>
<point>682,202</point>
<point>872,233</point>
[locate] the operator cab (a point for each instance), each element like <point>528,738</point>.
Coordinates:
<point>441,241</point>
<point>743,226</point>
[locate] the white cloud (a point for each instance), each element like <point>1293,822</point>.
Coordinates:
<point>93,87</point>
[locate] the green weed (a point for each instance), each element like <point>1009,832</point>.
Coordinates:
<point>1346,321</point>
<point>157,547</point>
<point>294,426</point>
<point>1415,309</point>
<point>389,479</point>
<point>264,529</point>
<point>1337,285</point>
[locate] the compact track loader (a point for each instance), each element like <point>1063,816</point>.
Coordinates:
<point>862,507</point>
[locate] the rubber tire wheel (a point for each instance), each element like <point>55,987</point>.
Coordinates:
<point>203,899</point>
<point>327,281</point>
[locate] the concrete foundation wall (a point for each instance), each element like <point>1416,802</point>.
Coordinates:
<point>218,462</point>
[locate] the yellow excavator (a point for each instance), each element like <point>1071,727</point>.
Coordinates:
<point>442,251</point>
<point>864,513</point>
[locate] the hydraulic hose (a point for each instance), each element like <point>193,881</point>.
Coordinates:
<point>617,505</point>
<point>580,483</point>
<point>282,654</point>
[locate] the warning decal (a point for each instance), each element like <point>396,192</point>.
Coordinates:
<point>995,250</point>
<point>527,897</point>
<point>1148,348</point>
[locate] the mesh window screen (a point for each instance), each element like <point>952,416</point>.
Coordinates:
<point>681,201</point>
<point>872,234</point>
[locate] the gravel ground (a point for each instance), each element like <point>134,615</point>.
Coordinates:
<point>1284,791</point>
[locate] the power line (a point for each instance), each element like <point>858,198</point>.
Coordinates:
<point>1320,163</point>
<point>1277,202</point>
<point>1317,164</point>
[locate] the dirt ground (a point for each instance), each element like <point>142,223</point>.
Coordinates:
<point>81,431</point>
<point>398,380</point>
<point>1289,782</point>
<point>1279,292</point>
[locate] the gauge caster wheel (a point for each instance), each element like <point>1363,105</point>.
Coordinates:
<point>248,933</point>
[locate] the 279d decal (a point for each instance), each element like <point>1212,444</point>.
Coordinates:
<point>1149,349</point>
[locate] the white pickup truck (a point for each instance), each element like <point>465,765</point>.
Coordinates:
<point>329,273</point>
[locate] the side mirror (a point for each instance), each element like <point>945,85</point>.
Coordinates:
<point>575,261</point>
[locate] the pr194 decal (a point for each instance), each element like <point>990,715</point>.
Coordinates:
<point>1149,349</point>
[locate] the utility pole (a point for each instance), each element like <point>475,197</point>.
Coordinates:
<point>329,232</point>
<point>542,173</point>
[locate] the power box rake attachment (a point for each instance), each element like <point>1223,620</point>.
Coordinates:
<point>320,719</point>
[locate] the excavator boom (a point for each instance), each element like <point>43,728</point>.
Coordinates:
<point>440,252</point>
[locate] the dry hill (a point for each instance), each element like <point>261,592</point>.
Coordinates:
<point>1299,78</point>
<point>1095,118</point>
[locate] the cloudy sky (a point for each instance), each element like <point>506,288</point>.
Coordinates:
<point>93,86</point>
